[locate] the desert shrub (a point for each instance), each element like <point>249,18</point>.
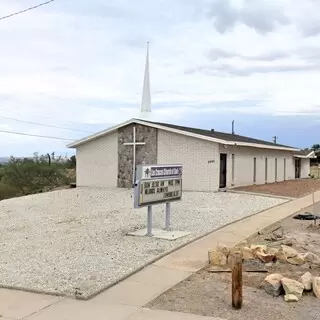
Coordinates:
<point>34,175</point>
<point>71,163</point>
<point>7,192</point>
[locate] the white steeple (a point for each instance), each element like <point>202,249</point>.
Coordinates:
<point>145,112</point>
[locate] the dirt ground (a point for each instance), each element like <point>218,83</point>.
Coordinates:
<point>290,188</point>
<point>209,294</point>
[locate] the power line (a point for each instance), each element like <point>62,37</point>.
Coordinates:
<point>43,124</point>
<point>25,10</point>
<point>35,135</point>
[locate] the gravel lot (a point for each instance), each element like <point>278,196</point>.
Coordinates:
<point>75,240</point>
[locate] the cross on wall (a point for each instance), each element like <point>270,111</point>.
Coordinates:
<point>133,144</point>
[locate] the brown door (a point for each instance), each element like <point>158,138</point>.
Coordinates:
<point>223,170</point>
<point>297,168</point>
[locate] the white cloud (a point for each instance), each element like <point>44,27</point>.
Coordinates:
<point>80,63</point>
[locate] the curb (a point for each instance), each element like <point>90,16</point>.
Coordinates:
<point>263,194</point>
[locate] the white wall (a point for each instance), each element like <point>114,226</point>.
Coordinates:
<point>243,166</point>
<point>196,156</point>
<point>97,162</point>
<point>305,168</point>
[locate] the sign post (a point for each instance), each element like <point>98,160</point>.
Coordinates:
<point>156,184</point>
<point>168,216</point>
<point>149,230</point>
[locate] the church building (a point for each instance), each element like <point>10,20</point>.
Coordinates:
<point>211,160</point>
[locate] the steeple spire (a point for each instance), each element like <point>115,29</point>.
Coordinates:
<point>146,95</point>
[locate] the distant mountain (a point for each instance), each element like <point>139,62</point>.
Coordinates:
<point>4,159</point>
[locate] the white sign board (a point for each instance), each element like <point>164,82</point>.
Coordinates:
<point>157,184</point>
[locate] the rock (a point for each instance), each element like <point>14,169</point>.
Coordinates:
<point>287,242</point>
<point>298,260</point>
<point>306,280</point>
<point>246,254</point>
<point>271,237</point>
<point>278,233</point>
<point>292,287</point>
<point>290,298</point>
<point>269,265</point>
<point>217,258</point>
<point>289,252</point>
<point>280,256</point>
<point>265,257</point>
<point>316,286</point>
<point>230,261</point>
<point>243,243</point>
<point>258,248</point>
<point>272,284</point>
<point>273,251</point>
<point>224,249</point>
<point>235,250</point>
<point>311,258</point>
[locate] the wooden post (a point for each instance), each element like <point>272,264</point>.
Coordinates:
<point>237,281</point>
<point>313,209</point>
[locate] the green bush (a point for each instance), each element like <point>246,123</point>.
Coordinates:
<point>7,192</point>
<point>35,175</point>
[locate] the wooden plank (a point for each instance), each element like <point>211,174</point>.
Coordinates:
<point>215,270</point>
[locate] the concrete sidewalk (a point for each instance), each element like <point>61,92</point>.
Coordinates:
<point>125,300</point>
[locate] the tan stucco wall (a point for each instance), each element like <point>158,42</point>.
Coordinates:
<point>200,173</point>
<point>243,165</point>
<point>97,162</point>
<point>305,168</point>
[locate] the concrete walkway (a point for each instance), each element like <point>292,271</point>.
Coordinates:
<point>125,300</point>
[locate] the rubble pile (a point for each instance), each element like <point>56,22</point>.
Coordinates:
<point>274,284</point>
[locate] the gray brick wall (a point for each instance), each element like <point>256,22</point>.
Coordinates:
<point>144,154</point>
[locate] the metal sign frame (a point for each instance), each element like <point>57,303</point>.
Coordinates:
<point>157,175</point>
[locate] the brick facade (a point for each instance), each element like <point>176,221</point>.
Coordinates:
<point>200,160</point>
<point>97,162</point>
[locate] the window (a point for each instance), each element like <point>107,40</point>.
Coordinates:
<point>254,170</point>
<point>276,169</point>
<point>284,168</point>
<point>266,170</point>
<point>232,168</point>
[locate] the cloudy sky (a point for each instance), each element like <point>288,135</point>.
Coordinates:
<point>78,64</point>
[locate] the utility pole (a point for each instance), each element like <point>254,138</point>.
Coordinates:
<point>274,139</point>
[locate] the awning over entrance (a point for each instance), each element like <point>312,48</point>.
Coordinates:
<point>305,154</point>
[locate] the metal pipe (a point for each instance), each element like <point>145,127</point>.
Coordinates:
<point>168,215</point>
<point>149,232</point>
<point>134,156</point>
